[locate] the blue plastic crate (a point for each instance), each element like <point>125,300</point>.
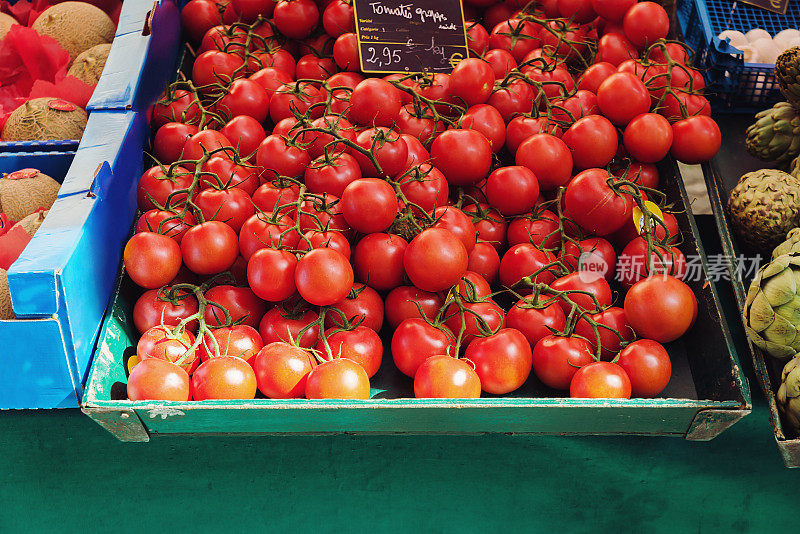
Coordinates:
<point>61,284</point>
<point>733,86</point>
<point>53,164</point>
<point>142,57</point>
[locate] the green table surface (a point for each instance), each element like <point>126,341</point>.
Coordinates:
<point>61,472</point>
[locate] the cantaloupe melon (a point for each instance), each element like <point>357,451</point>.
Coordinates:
<point>6,21</point>
<point>32,222</point>
<point>77,26</point>
<point>43,119</point>
<point>25,191</point>
<point>88,66</point>
<point>6,312</point>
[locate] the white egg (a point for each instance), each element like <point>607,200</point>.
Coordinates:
<point>756,34</point>
<point>750,54</point>
<point>767,51</point>
<point>737,38</point>
<point>784,39</point>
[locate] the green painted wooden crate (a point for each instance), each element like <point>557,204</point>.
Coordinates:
<point>721,176</point>
<point>707,393</point>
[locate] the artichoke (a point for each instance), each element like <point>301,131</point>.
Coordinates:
<point>775,136</point>
<point>787,71</point>
<point>789,391</point>
<point>764,206</point>
<point>792,244</point>
<point>772,307</point>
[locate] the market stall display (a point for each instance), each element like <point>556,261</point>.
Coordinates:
<point>372,189</point>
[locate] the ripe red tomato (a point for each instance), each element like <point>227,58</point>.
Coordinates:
<point>165,223</point>
<point>323,277</point>
<point>692,105</point>
<point>214,67</point>
<point>648,137</point>
<point>391,152</point>
<point>338,18</point>
<point>609,341</point>
<point>524,260</point>
<point>488,121</point>
<point>279,59</point>
<point>661,308</point>
<point>249,10</point>
<point>205,141</point>
<point>210,247</point>
<point>245,97</point>
<point>445,377</point>
<point>591,255</point>
<point>696,139</point>
<point>375,102</point>
<point>296,19</point>
<point>648,366</point>
<point>155,379</point>
<point>435,259</point>
<point>339,378</point>
<point>463,156</point>
<point>489,224</point>
<point>271,78</point>
<point>231,206</point>
<point>595,75</point>
<point>501,61</point>
<point>362,306</point>
<point>311,67</point>
<point>512,99</point>
<point>623,96</point>
<point>166,190</point>
<point>600,380</point>
<point>169,141</point>
<point>633,264</point>
<point>198,16</point>
<point>540,229</point>
<point>324,177</point>
<point>318,239</point>
<point>556,359</point>
<point>592,140</point>
<point>295,97</point>
<point>548,157</point>
<point>584,287</point>
<point>175,347</point>
<point>378,260</point>
<point>512,190</point>
<point>535,322</point>
<point>286,324</point>
<point>271,273</point>
<point>645,23</point>
<point>426,187</point>
<point>282,370</point>
<point>361,345</point>
<point>225,377</point>
<point>240,302</point>
<point>178,106</point>
<point>241,341</point>
<point>414,341</point>
<point>459,223</point>
<point>503,360</point>
<point>521,128</point>
<point>245,133</point>
<point>472,81</point>
<point>612,10</point>
<point>276,158</point>
<point>517,36</point>
<point>475,315</point>
<point>406,302</point>
<point>594,205</point>
<point>477,38</point>
<point>614,48</point>
<point>262,231</point>
<point>151,309</point>
<point>151,260</point>
<point>369,205</point>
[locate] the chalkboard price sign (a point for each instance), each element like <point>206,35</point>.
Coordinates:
<point>410,36</point>
<point>777,6</point>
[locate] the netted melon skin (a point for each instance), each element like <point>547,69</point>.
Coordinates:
<point>6,21</point>
<point>20,198</point>
<point>35,120</point>
<point>89,65</point>
<point>77,26</point>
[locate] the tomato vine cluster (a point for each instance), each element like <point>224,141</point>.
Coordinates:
<point>483,219</point>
